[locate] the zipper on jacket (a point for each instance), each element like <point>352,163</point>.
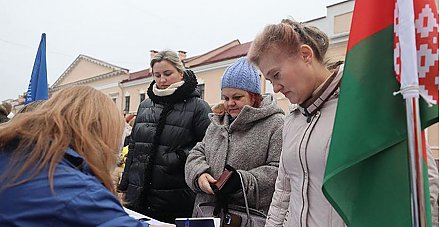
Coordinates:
<point>304,165</point>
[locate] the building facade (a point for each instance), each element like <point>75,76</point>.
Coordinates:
<point>89,71</point>
<point>128,89</point>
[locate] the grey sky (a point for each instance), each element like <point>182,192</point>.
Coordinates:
<point>122,32</point>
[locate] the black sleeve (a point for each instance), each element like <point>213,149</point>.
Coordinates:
<point>201,119</point>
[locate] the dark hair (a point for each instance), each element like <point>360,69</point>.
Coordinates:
<point>288,36</point>
<point>257,99</point>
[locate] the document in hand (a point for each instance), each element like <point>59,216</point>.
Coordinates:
<point>197,222</point>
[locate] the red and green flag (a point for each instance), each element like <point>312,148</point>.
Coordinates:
<point>367,173</point>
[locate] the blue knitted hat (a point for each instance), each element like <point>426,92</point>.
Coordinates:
<point>242,75</point>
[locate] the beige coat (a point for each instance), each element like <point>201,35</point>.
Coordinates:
<point>298,199</point>
<point>304,199</point>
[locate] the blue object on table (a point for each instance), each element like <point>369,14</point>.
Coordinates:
<point>195,222</point>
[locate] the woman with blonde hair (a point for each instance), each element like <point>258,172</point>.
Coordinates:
<point>55,163</point>
<point>168,125</point>
<point>291,56</point>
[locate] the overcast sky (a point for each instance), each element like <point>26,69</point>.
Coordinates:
<point>122,32</point>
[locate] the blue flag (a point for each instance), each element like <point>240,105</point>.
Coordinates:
<point>38,89</point>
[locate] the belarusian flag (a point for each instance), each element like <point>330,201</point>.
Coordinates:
<point>367,172</point>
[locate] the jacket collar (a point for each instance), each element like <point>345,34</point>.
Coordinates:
<point>188,89</point>
<point>77,161</point>
<point>248,114</point>
<point>169,90</point>
<point>314,103</point>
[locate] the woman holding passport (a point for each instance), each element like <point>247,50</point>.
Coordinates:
<point>246,139</point>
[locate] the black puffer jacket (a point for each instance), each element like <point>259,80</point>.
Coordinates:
<point>165,130</point>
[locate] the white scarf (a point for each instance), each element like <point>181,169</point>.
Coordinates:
<point>167,91</point>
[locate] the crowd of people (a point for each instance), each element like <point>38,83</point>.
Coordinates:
<point>57,157</point>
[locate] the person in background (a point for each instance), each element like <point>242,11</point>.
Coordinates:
<point>55,163</point>
<point>291,56</point>
<point>128,128</point>
<point>122,157</point>
<point>5,109</point>
<point>168,125</point>
<point>247,137</point>
<point>30,106</point>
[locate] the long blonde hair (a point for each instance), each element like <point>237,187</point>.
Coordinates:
<point>78,117</point>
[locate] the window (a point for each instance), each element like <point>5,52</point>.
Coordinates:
<point>201,88</point>
<point>342,23</point>
<point>141,97</point>
<point>127,104</point>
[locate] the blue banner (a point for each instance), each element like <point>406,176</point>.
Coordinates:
<point>38,88</point>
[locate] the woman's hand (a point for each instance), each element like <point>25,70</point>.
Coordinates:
<point>204,183</point>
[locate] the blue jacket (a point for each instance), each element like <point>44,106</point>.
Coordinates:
<point>79,198</point>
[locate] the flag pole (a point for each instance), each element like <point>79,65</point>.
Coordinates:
<point>405,31</point>
<point>418,209</point>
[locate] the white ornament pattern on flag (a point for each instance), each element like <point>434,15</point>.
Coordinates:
<point>425,59</point>
<point>426,24</point>
<point>425,17</point>
<point>397,61</point>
